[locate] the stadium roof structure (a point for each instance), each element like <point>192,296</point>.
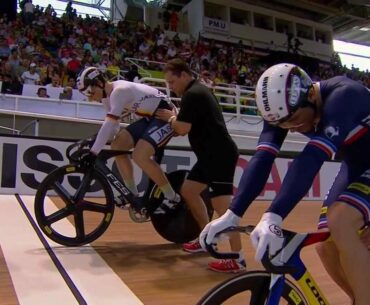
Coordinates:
<point>350,19</point>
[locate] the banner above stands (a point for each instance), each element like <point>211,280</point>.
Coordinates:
<point>25,162</point>
<point>216,25</point>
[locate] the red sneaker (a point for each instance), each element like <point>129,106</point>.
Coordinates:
<point>227,266</point>
<point>193,247</point>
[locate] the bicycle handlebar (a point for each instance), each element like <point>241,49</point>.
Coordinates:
<point>84,144</point>
<point>266,259</point>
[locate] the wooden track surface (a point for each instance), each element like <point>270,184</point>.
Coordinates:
<point>160,273</point>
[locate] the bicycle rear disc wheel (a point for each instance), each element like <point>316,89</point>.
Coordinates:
<point>178,226</point>
<point>74,206</point>
<point>250,288</point>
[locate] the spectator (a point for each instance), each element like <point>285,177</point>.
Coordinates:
<point>297,45</point>
<point>71,83</point>
<point>31,77</point>
<point>133,75</point>
<point>174,20</point>
<point>4,48</point>
<point>166,19</point>
<point>42,92</point>
<point>55,81</point>
<point>66,94</point>
<point>28,12</point>
<point>73,66</point>
<point>10,85</point>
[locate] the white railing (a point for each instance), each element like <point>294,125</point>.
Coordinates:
<point>235,101</point>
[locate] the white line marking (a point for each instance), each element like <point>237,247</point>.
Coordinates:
<point>96,281</point>
<point>35,278</point>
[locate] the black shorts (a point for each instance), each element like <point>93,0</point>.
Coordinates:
<point>356,193</point>
<point>152,130</point>
<point>218,176</point>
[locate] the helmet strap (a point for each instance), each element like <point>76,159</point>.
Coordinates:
<point>310,105</point>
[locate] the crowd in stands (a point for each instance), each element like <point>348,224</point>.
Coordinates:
<point>38,47</point>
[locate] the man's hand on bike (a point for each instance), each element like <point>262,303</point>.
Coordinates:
<point>267,234</point>
<point>229,219</point>
<point>87,158</point>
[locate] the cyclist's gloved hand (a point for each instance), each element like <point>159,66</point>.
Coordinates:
<point>87,158</point>
<point>229,219</point>
<point>267,233</point>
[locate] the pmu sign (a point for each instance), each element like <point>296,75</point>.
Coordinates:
<point>25,162</point>
<point>216,25</point>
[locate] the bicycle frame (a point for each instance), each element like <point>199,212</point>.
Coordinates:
<point>117,184</point>
<point>305,281</point>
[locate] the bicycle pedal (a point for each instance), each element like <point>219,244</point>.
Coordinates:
<point>137,216</point>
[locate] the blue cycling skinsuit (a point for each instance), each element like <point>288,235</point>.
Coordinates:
<point>343,129</point>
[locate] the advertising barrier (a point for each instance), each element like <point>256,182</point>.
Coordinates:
<point>25,162</point>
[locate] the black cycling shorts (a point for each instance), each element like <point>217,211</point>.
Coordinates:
<point>219,176</point>
<point>152,130</point>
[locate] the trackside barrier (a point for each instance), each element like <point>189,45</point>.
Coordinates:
<point>25,161</point>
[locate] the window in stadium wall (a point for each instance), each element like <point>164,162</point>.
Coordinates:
<point>263,21</point>
<point>304,31</point>
<point>323,36</point>
<point>216,11</point>
<point>284,26</point>
<point>240,16</point>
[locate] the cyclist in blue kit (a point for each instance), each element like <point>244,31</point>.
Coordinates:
<point>335,115</point>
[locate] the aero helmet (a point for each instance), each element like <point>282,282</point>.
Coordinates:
<point>280,91</point>
<point>87,78</point>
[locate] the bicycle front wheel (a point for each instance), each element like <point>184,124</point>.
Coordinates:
<point>251,288</point>
<point>73,205</point>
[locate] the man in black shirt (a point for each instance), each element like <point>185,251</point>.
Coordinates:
<point>200,117</point>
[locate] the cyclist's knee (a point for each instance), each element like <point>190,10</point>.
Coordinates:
<point>324,249</point>
<point>343,218</point>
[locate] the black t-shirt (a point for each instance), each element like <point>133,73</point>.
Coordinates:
<point>208,136</point>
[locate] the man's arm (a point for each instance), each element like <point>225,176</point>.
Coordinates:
<point>181,128</point>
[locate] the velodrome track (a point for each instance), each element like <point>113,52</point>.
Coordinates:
<point>129,265</point>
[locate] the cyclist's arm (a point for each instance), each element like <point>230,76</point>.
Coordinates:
<point>336,129</point>
<point>257,171</point>
<point>298,179</point>
<point>118,99</point>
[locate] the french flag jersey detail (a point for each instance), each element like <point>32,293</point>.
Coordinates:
<point>324,145</point>
<point>270,147</point>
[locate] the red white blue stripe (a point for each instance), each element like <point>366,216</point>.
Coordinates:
<point>270,147</point>
<point>328,147</point>
<point>358,202</point>
<point>355,134</point>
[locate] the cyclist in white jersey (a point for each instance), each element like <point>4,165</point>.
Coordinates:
<point>144,135</point>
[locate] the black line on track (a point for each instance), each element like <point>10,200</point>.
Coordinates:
<point>77,294</point>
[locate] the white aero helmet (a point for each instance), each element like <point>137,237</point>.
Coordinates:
<point>280,91</point>
<point>87,78</point>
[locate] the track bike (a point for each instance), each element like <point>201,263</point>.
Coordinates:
<point>87,194</point>
<point>270,286</point>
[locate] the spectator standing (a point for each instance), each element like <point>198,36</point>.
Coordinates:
<point>28,12</point>
<point>174,20</point>
<point>166,19</point>
<point>31,77</point>
<point>200,117</point>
